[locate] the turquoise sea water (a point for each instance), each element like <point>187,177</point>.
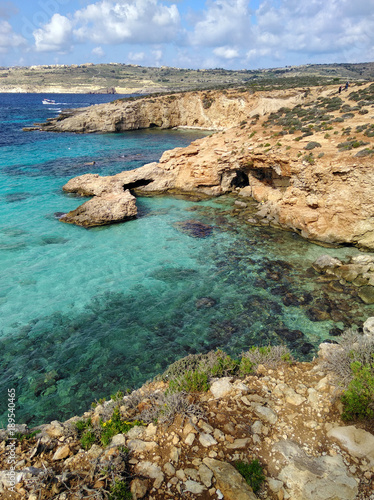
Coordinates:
<point>85,313</point>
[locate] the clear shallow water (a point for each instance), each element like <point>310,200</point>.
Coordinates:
<point>85,313</point>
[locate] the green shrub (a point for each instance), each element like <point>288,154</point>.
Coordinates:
<point>82,425</point>
<point>115,426</point>
<point>358,399</point>
<point>309,159</point>
<point>118,396</point>
<point>24,437</point>
<point>88,439</point>
<point>191,381</point>
<point>312,145</point>
<point>86,433</point>
<point>223,365</point>
<point>246,367</point>
<point>270,356</point>
<point>364,152</point>
<point>353,369</point>
<point>350,144</point>
<point>252,473</point>
<point>120,491</point>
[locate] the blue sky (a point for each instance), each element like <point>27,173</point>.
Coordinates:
<point>231,34</point>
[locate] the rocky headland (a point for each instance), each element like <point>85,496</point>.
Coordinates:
<point>305,155</point>
<point>284,417</point>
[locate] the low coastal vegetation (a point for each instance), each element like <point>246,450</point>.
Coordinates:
<point>351,363</point>
<point>208,420</point>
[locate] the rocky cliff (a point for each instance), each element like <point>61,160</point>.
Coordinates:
<point>284,415</point>
<point>216,110</point>
<point>309,165</point>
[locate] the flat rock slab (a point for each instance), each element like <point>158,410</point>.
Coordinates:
<point>229,481</point>
<point>317,478</point>
<point>357,442</point>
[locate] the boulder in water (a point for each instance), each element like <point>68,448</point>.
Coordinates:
<point>205,302</point>
<point>102,210</point>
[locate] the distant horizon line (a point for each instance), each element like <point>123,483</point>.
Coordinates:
<point>85,64</point>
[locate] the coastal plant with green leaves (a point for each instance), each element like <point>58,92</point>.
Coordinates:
<point>120,491</point>
<point>115,425</point>
<point>190,381</point>
<point>193,373</point>
<point>269,356</point>
<point>358,398</point>
<point>252,473</point>
<point>103,433</point>
<point>352,364</point>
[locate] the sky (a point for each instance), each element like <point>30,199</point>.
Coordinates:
<point>230,34</point>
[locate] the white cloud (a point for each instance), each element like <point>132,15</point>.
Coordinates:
<point>157,54</point>
<point>315,27</point>
<point>133,21</point>
<point>224,33</point>
<point>55,35</point>
<point>223,23</point>
<point>136,56</point>
<point>226,52</point>
<point>9,39</point>
<point>98,51</point>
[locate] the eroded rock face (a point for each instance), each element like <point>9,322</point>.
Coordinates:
<point>330,200</point>
<point>208,110</point>
<point>104,209</point>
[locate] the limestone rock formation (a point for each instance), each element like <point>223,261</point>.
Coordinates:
<point>104,209</point>
<point>327,198</point>
<point>208,110</point>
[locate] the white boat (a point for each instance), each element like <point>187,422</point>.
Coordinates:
<point>48,101</point>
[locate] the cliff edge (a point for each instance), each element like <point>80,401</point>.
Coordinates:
<point>305,156</point>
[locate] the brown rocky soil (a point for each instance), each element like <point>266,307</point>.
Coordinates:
<point>286,417</point>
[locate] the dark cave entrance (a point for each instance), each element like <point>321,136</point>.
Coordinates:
<point>240,180</point>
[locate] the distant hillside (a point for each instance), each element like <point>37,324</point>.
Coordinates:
<point>132,79</point>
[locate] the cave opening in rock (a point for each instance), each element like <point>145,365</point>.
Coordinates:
<point>153,125</point>
<point>137,184</point>
<point>240,180</point>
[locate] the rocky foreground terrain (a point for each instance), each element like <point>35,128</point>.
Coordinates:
<point>306,155</point>
<point>284,415</point>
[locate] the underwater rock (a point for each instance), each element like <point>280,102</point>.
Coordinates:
<point>289,335</point>
<point>366,294</point>
<point>16,197</point>
<point>335,332</point>
<point>205,302</point>
<point>315,314</point>
<point>174,274</point>
<point>54,240</point>
<point>194,228</point>
<point>58,215</point>
<point>306,347</point>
